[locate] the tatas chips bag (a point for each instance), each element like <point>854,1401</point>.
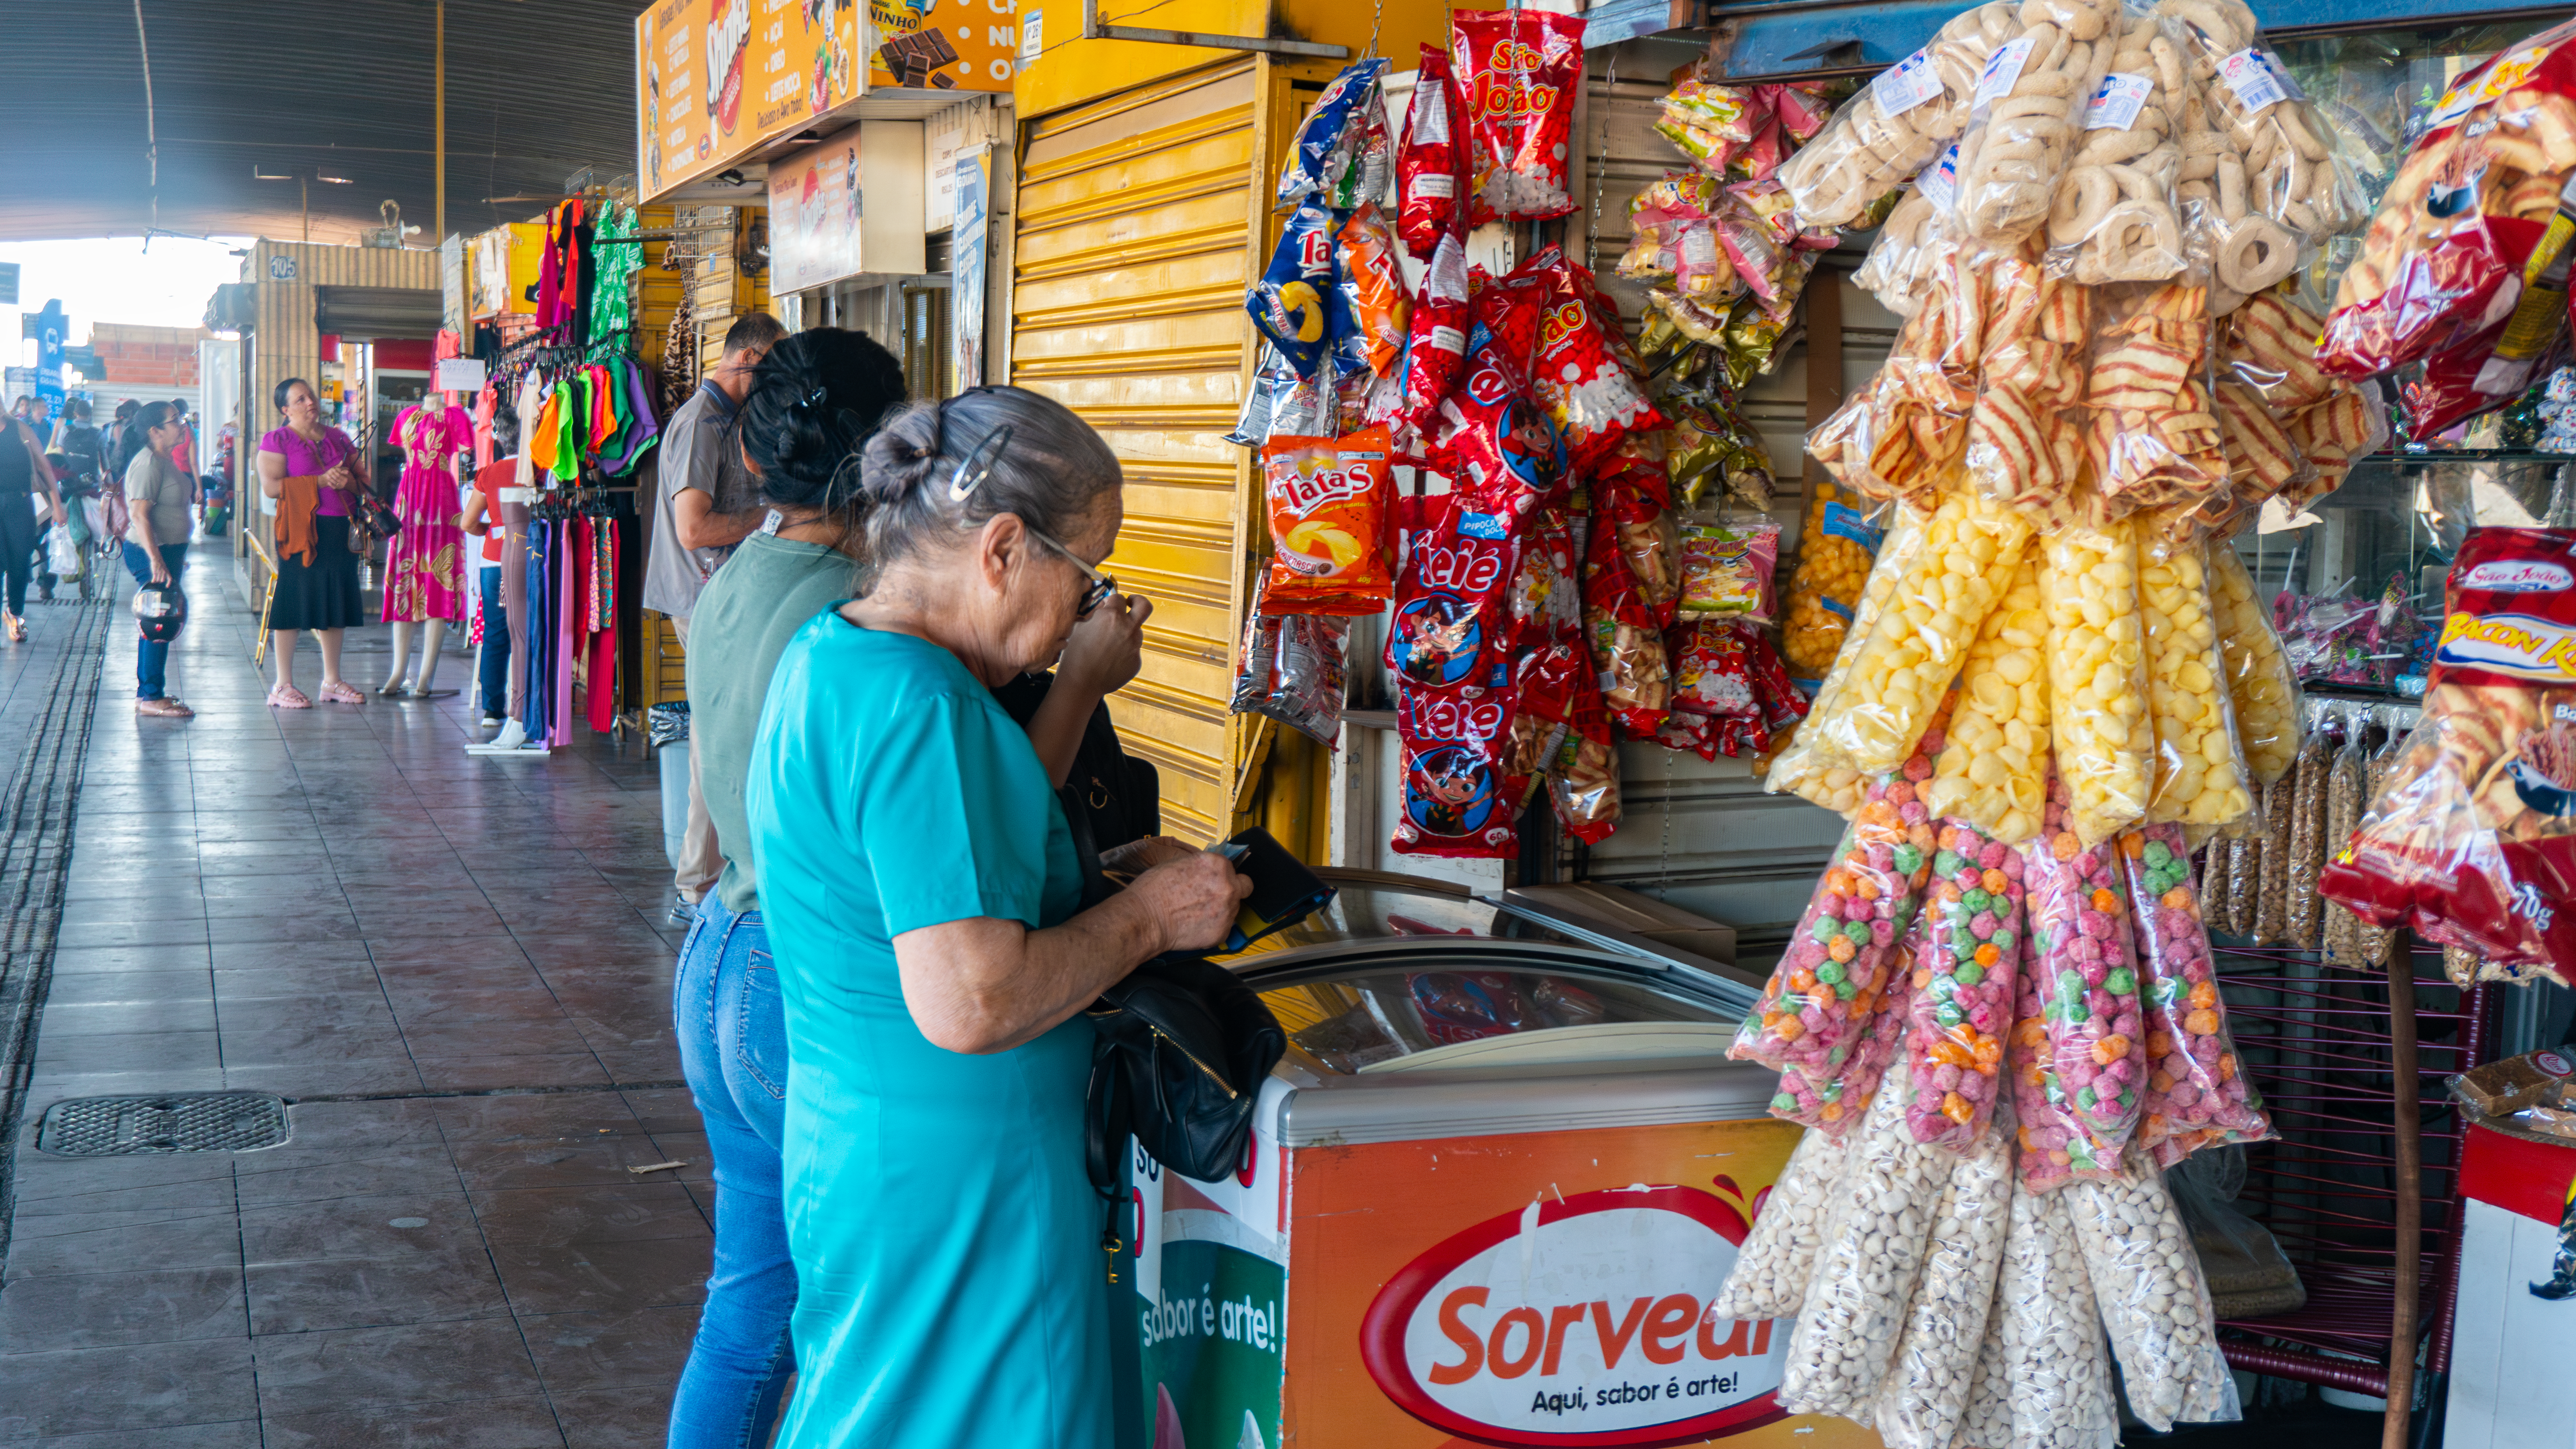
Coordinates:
<point>2472,840</point>
<point>1328,499</point>
<point>1518,70</point>
<point>1428,167</point>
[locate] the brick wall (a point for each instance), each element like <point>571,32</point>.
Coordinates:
<point>138,356</point>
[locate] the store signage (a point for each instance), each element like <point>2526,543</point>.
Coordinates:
<point>966,265</point>
<point>1582,1321</point>
<point>717,80</point>
<point>815,209</point>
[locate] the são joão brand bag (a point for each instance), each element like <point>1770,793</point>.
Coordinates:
<point>1183,1049</point>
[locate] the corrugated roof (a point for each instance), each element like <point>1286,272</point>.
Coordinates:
<point>535,91</point>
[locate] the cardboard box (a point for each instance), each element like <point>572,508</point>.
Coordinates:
<point>1657,921</point>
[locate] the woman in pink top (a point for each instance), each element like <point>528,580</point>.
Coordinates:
<point>425,562</point>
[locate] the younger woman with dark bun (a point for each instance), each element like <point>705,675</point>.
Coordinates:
<point>312,470</point>
<point>922,897</point>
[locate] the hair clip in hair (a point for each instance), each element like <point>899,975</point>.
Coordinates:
<point>978,464</point>
<point>813,399</point>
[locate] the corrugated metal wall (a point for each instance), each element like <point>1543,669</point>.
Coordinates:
<point>1137,229</point>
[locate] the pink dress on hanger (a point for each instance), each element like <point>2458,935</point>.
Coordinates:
<point>425,562</point>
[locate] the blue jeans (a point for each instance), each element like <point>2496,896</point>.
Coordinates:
<point>152,656</point>
<point>733,1049</point>
<point>496,646</point>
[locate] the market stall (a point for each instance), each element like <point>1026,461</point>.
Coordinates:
<point>2143,436</point>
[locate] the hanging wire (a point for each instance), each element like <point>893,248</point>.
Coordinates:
<point>1376,18</point>
<point>1601,170</point>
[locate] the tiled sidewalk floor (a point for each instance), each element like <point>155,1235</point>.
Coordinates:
<point>340,906</point>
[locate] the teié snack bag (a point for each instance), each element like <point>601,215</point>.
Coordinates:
<point>1328,500</point>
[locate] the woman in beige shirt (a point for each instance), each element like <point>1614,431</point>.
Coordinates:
<point>156,540</point>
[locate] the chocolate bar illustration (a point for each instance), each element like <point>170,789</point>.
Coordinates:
<point>916,56</point>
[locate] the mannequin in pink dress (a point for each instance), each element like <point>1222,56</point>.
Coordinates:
<point>425,562</point>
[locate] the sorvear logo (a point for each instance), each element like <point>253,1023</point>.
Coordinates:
<point>1580,1322</point>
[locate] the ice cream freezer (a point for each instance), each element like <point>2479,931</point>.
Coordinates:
<point>1490,1194</point>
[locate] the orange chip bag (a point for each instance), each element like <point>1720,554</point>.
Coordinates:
<point>1373,286</point>
<point>1328,503</point>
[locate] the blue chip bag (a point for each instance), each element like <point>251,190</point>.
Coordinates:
<point>1292,304</point>
<point>1322,150</point>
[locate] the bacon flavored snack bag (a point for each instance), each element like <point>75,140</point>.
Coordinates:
<point>1328,500</point>
<point>2472,841</point>
<point>2464,251</point>
<point>1518,70</point>
<point>1430,168</point>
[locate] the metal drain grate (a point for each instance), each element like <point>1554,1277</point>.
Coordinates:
<point>126,1126</point>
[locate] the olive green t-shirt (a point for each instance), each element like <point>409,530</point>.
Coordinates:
<point>764,593</point>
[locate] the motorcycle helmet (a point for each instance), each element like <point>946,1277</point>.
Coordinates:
<point>160,609</point>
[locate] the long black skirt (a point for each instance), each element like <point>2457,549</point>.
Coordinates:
<point>324,593</point>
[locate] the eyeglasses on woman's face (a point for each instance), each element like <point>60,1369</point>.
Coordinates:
<point>1096,592</point>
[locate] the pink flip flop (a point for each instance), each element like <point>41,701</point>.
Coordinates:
<point>338,692</point>
<point>287,696</point>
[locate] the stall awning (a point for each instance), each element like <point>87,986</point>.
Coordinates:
<point>366,314</point>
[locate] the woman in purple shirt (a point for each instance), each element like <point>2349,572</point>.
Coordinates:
<point>317,572</point>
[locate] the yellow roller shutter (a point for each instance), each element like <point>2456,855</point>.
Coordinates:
<point>1136,235</point>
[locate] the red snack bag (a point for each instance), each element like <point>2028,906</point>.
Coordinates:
<point>1627,643</point>
<point>1430,169</point>
<point>1435,350</point>
<point>1459,799</point>
<point>1452,628</point>
<point>2443,262</point>
<point>1549,318</point>
<point>1546,601</point>
<point>2472,839</point>
<point>1583,784</point>
<point>1802,106</point>
<point>1710,675</point>
<point>1518,70</point>
<point>1328,499</point>
<point>1783,703</point>
<point>1502,452</point>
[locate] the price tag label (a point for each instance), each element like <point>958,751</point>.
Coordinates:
<point>2252,78</point>
<point>2116,105</point>
<point>1907,84</point>
<point>2281,73</point>
<point>2003,69</point>
<point>1939,182</point>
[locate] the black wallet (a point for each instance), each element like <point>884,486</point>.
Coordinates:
<point>1284,891</point>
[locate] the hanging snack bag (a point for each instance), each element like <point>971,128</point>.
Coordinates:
<point>1963,986</point>
<point>2200,775</point>
<point>1430,167</point>
<point>1459,798</point>
<point>1583,784</point>
<point>1325,142</point>
<point>1708,122</point>
<point>1993,774</point>
<point>2028,107</point>
<point>1900,123</point>
<point>1518,71</point>
<point>1435,350</point>
<point>1626,634</point>
<point>2084,965</point>
<point>1503,454</point>
<point>2097,676</point>
<point>2473,840</point>
<point>1547,316</point>
<point>1727,563</point>
<point>2463,251</point>
<point>2197,1092</point>
<point>1328,500</point>
<point>1289,303</point>
<point>1295,670</point>
<point>1451,627</point>
<point>1834,553</point>
<point>1372,287</point>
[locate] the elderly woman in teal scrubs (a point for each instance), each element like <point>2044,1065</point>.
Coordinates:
<point>922,894</point>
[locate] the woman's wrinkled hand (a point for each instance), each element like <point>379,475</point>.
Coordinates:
<point>1195,899</point>
<point>1105,650</point>
<point>1138,856</point>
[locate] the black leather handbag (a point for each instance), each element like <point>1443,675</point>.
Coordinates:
<point>1183,1049</point>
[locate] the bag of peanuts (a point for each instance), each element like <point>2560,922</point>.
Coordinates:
<point>2473,839</point>
<point>1895,128</point>
<point>1518,70</point>
<point>2057,1377</point>
<point>2026,116</point>
<point>1924,1400</point>
<point>2154,1300</point>
<point>1778,1257</point>
<point>2449,256</point>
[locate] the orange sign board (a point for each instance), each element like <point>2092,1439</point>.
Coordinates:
<point>1536,1289</point>
<point>717,79</point>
